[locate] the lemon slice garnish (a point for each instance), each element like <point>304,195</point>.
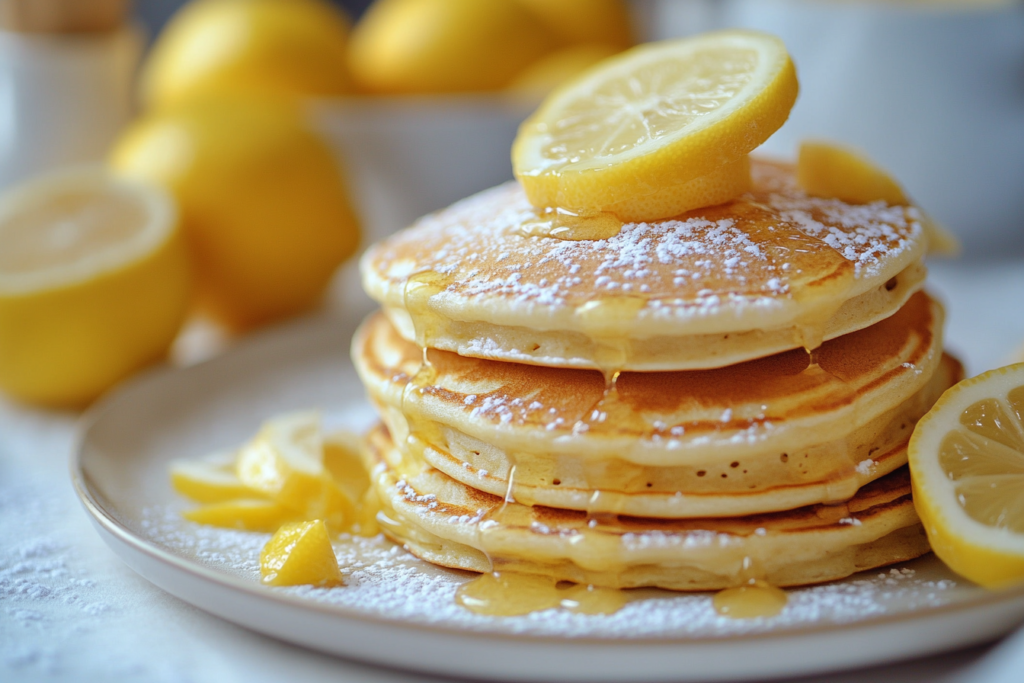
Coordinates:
<point>967,465</point>
<point>208,482</point>
<point>826,170</point>
<point>655,117</point>
<point>248,514</point>
<point>300,554</point>
<point>94,283</point>
<point>285,463</point>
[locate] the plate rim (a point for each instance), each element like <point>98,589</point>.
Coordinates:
<point>86,493</point>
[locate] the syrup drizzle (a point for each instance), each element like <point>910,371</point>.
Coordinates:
<point>508,592</point>
<point>563,224</point>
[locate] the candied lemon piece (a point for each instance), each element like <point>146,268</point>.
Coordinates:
<point>208,482</point>
<point>249,514</point>
<point>655,117</point>
<point>300,554</point>
<point>285,463</point>
<point>826,170</point>
<point>967,465</point>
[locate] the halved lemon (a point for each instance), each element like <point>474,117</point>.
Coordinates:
<point>967,466</point>
<point>94,283</point>
<point>827,170</point>
<point>655,117</point>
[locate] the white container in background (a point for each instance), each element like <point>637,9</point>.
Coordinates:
<point>409,156</point>
<point>63,97</point>
<point>934,92</point>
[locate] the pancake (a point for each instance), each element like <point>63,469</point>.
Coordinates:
<point>617,486</point>
<point>770,434</point>
<point>771,271</point>
<point>448,523</point>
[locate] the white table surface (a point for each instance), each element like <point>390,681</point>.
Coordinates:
<point>71,611</point>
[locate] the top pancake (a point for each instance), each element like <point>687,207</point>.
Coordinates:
<point>770,271</point>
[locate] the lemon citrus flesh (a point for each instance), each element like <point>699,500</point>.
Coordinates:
<point>270,47</point>
<point>263,202</point>
<point>206,482</point>
<point>346,463</point>
<point>831,171</point>
<point>285,463</point>
<point>655,117</point>
<point>300,554</point>
<point>245,514</point>
<point>440,46</point>
<point>967,466</point>
<point>94,284</point>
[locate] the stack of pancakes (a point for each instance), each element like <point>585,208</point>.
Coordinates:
<point>690,403</point>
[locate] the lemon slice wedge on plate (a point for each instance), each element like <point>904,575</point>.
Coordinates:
<point>300,554</point>
<point>657,116</point>
<point>94,283</point>
<point>285,462</point>
<point>967,466</point>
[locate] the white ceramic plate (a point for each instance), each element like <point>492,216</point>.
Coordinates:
<point>399,611</point>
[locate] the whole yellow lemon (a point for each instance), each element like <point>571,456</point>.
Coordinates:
<point>585,21</point>
<point>263,202</point>
<point>266,47</point>
<point>439,46</point>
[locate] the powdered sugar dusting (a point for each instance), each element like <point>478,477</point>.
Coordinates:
<point>384,581</point>
<point>737,255</point>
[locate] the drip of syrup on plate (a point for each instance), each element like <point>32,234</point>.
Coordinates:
<point>752,597</point>
<point>750,600</point>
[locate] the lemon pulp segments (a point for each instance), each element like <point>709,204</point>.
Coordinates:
<point>984,457</point>
<point>656,116</point>
<point>967,462</point>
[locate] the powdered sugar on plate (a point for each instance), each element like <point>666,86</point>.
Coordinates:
<point>384,581</point>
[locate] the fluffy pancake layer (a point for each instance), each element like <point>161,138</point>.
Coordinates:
<point>770,271</point>
<point>448,523</point>
<point>771,434</point>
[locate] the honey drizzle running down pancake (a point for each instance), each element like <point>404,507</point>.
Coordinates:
<point>451,524</point>
<point>776,267</point>
<point>788,401</point>
<point>824,473</point>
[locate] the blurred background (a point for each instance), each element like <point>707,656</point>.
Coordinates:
<point>293,133</point>
<point>931,90</point>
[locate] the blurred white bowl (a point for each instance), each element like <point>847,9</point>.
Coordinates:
<point>408,156</point>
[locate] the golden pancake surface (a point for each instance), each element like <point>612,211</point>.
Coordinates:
<point>770,271</point>
<point>771,434</point>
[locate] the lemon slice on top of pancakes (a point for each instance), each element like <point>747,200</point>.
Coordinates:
<point>653,122</point>
<point>967,463</point>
